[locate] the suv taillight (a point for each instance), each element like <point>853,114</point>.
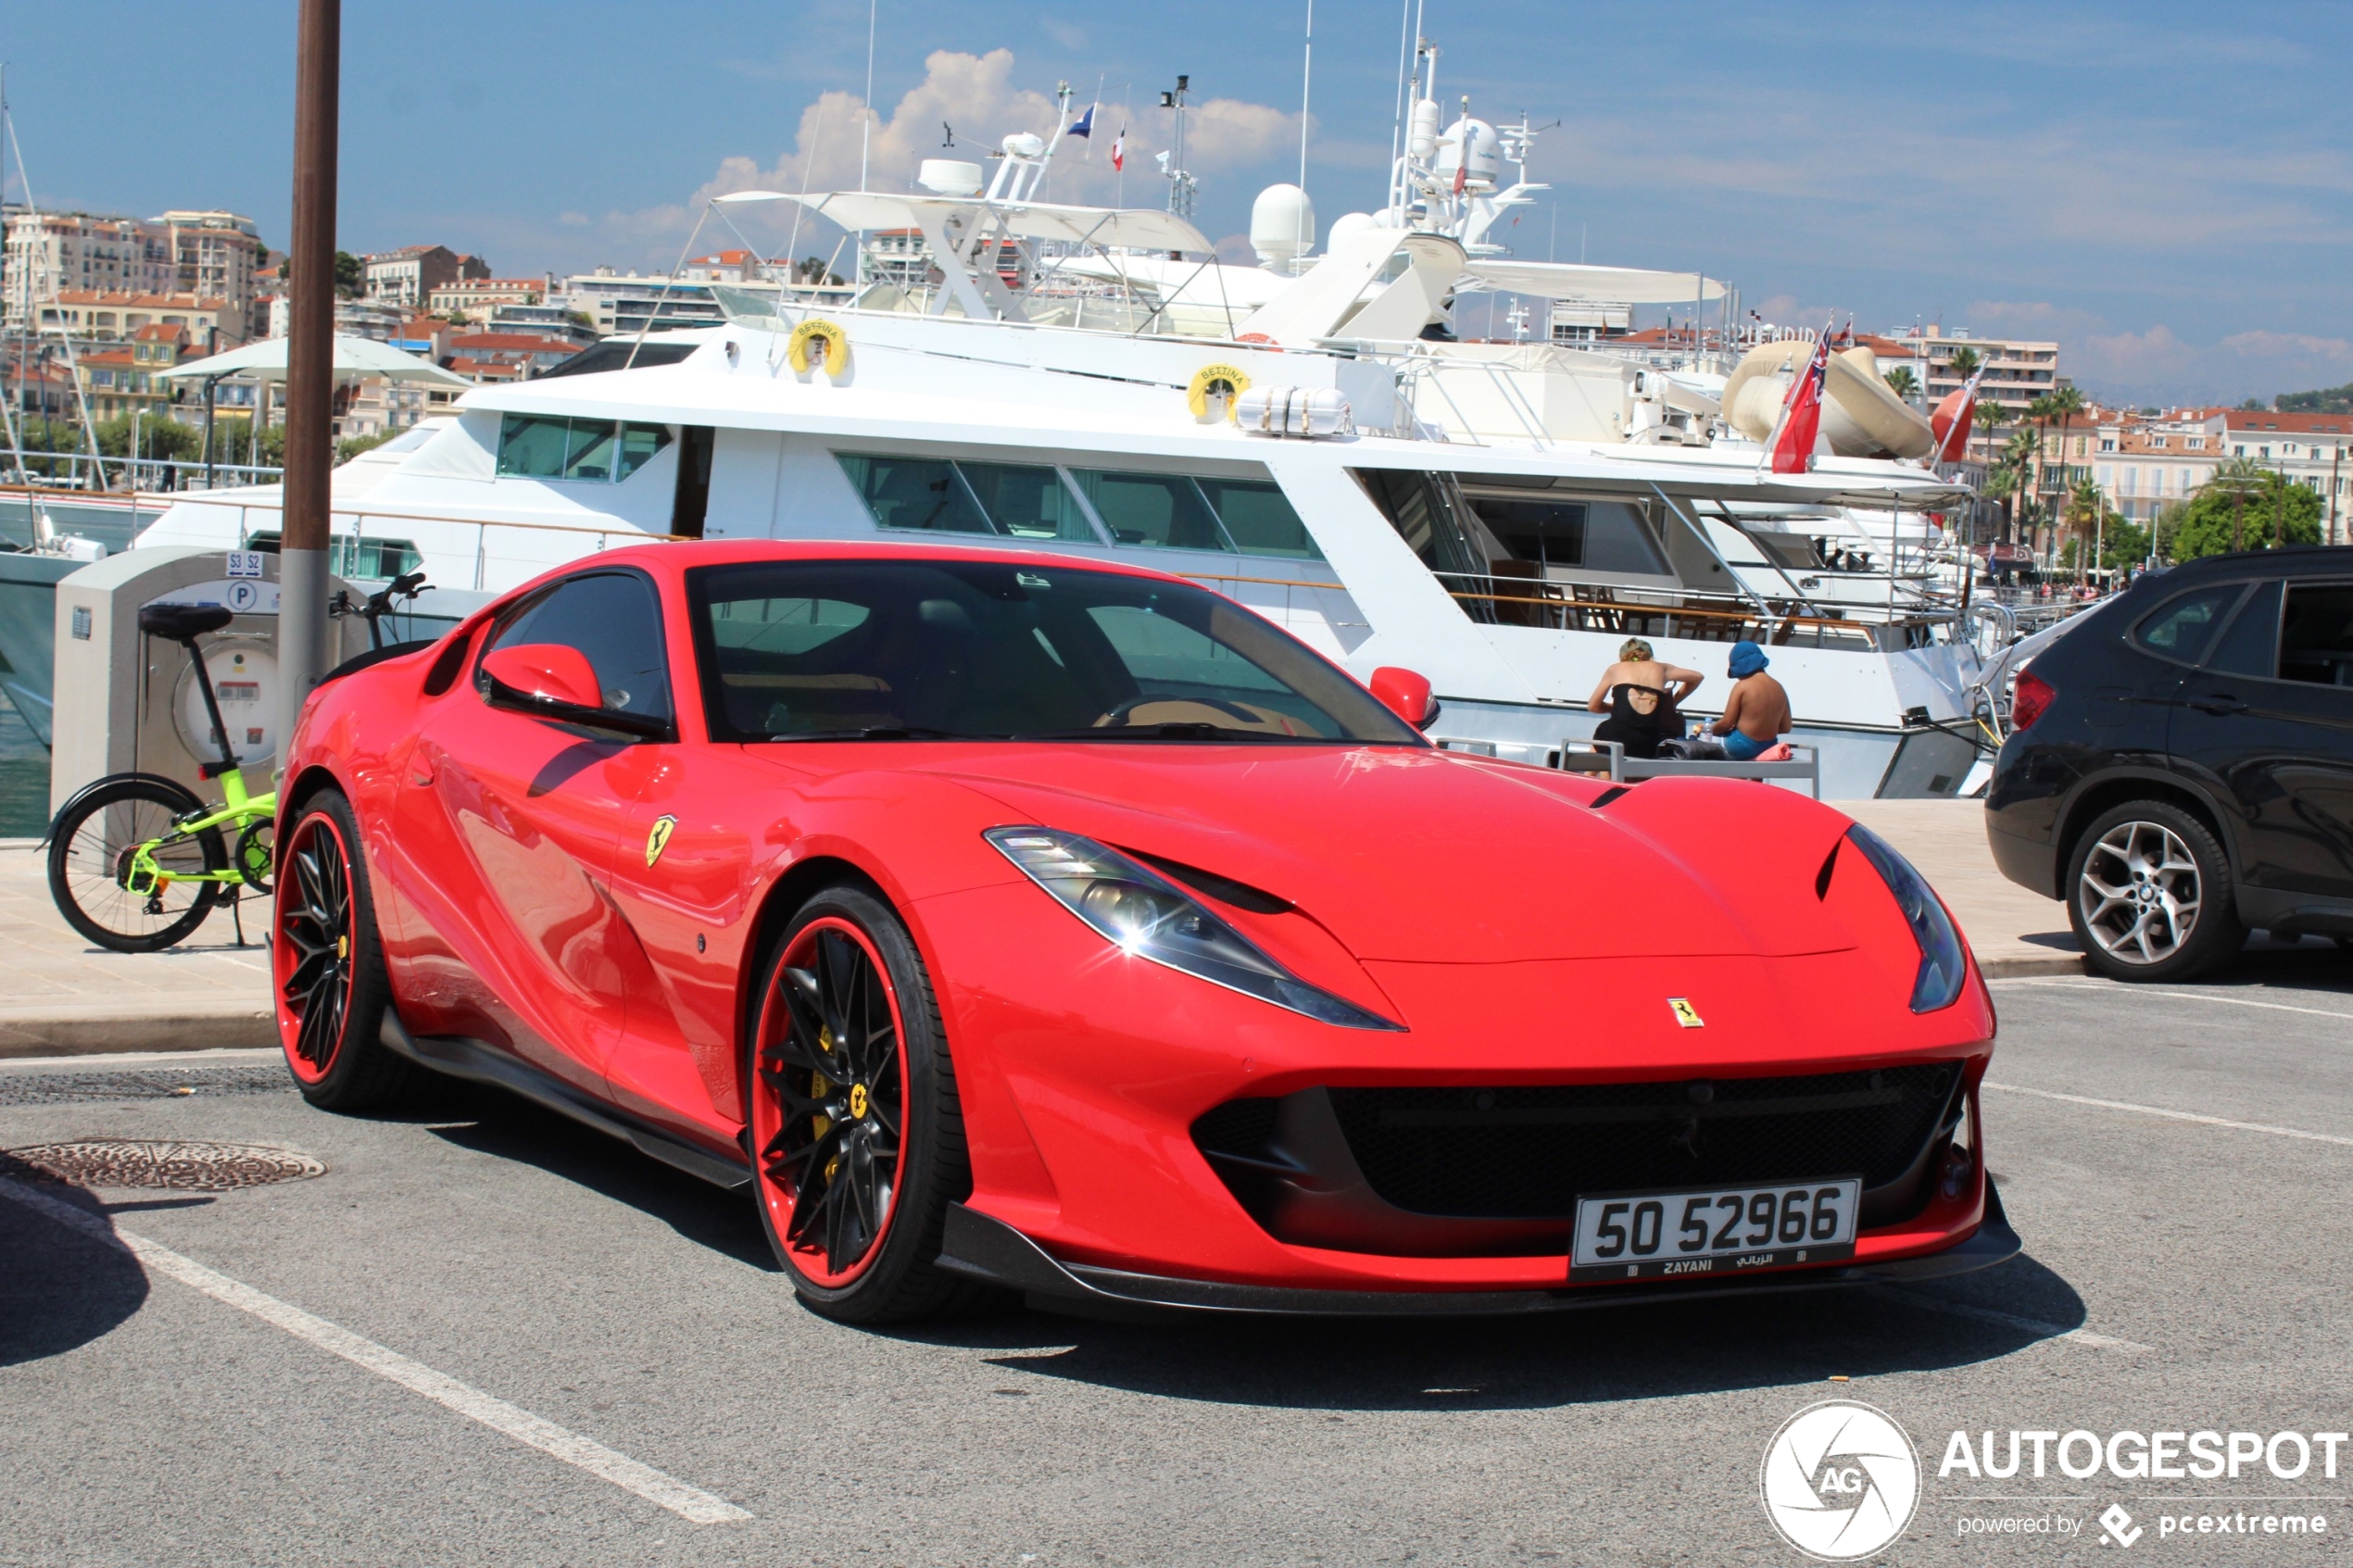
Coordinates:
<point>2027,703</point>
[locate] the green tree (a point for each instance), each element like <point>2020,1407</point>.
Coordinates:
<point>2328,400</point>
<point>2256,505</point>
<point>351,446</point>
<point>2123,542</point>
<point>1964,362</point>
<point>349,274</point>
<point>159,437</point>
<point>1901,382</point>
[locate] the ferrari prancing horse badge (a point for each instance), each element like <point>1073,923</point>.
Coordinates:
<point>1685,1014</point>
<point>659,839</point>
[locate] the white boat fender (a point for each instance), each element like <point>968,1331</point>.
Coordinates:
<point>818,341</point>
<point>1305,411</point>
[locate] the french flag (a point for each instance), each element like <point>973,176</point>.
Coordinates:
<point>1118,148</point>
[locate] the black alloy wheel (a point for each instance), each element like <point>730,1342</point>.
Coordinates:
<point>857,1144</point>
<point>327,966</point>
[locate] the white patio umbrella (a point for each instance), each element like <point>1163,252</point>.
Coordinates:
<point>356,359</point>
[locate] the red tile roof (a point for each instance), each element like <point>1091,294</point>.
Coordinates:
<point>2263,422</point>
<point>131,299</point>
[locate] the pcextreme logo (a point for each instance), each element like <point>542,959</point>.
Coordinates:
<point>1839,1480</point>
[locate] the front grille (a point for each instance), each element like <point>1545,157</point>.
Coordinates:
<point>1530,1153</point>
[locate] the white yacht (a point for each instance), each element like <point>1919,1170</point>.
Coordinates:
<point>1497,517</point>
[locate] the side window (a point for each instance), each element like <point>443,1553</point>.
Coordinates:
<point>613,619</point>
<point>2317,644</point>
<point>2251,646</point>
<point>1259,518</point>
<point>2182,626</point>
<point>1027,502</point>
<point>1160,511</point>
<point>916,493</point>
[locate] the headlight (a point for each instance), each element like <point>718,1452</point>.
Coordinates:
<point>1942,964</point>
<point>1147,915</point>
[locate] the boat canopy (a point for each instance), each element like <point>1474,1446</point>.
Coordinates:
<point>1122,228</point>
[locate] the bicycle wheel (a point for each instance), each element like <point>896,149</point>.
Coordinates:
<point>90,865</point>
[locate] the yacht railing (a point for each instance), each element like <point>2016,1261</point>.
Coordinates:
<point>359,516</point>
<point>1620,611</point>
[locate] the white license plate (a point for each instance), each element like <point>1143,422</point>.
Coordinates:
<point>1716,1231</point>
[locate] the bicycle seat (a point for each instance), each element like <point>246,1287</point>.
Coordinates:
<point>179,622</point>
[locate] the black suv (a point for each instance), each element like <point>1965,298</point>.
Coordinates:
<point>2182,766</point>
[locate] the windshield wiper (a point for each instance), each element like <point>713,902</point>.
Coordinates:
<point>880,732</point>
<point>1193,730</point>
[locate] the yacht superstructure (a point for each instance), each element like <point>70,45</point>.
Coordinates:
<point>1497,517</point>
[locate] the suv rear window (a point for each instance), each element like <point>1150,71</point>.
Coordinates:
<point>2316,643</point>
<point>2182,626</point>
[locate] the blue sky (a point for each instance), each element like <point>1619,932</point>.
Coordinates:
<point>2166,188</point>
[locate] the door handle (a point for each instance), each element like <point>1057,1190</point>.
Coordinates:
<point>2219,705</point>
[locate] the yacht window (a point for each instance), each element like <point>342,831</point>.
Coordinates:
<point>1028,502</point>
<point>638,444</point>
<point>1594,535</point>
<point>588,454</point>
<point>544,446</point>
<point>1160,511</point>
<point>532,445</point>
<point>1432,515</point>
<point>1259,518</point>
<point>919,492</point>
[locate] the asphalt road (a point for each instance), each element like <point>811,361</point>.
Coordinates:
<point>2180,1274</point>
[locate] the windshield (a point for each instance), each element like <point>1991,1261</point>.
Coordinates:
<point>946,649</point>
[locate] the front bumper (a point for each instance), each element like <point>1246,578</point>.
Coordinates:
<point>985,1248</point>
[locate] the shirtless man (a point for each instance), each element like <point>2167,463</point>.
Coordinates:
<point>1757,712</point>
<point>1636,666</point>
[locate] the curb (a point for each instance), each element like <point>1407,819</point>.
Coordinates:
<point>2022,968</point>
<point>112,1031</point>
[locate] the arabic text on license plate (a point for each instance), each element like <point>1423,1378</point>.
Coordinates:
<point>1716,1231</point>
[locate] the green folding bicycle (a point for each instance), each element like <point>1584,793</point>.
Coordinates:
<point>136,862</point>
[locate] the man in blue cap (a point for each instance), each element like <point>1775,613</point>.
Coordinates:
<point>1756,710</point>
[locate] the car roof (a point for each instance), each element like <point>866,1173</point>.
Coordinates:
<point>2295,560</point>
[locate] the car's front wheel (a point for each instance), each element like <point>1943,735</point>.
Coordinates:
<point>328,967</point>
<point>2150,895</point>
<point>857,1145</point>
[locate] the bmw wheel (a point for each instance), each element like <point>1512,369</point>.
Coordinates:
<point>327,966</point>
<point>2150,895</point>
<point>857,1145</point>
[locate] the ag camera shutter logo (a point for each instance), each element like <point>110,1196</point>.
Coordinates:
<point>1839,1480</point>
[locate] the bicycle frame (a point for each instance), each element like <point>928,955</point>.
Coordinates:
<point>238,810</point>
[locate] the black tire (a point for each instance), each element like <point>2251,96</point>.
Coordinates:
<point>327,968</point>
<point>2150,895</point>
<point>892,1277</point>
<point>90,845</point>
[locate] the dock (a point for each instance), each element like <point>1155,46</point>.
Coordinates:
<point>61,996</point>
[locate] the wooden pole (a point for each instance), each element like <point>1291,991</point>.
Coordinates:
<point>302,560</point>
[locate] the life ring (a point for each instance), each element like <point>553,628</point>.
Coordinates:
<point>1205,381</point>
<point>834,345</point>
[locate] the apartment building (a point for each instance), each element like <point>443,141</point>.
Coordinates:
<point>122,381</point>
<point>2145,463</point>
<point>216,255</point>
<point>109,317</point>
<point>49,251</point>
<point>474,299</point>
<point>408,276</point>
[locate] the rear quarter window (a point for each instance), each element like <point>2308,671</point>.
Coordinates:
<point>2181,628</point>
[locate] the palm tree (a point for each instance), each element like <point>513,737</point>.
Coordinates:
<point>1901,382</point>
<point>2086,509</point>
<point>1964,362</point>
<point>2238,478</point>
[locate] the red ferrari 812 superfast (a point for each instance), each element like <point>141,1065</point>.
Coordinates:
<point>1011,923</point>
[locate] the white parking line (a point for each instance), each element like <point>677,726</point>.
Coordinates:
<point>2170,1115</point>
<point>105,1062</point>
<point>2112,991</point>
<point>585,1453</point>
<point>2082,1336</point>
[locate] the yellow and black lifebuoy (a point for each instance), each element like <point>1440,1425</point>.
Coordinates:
<point>817,341</point>
<point>1211,379</point>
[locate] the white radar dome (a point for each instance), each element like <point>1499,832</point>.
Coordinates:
<point>1023,143</point>
<point>1486,154</point>
<point>1348,225</point>
<point>1282,224</point>
<point>948,177</point>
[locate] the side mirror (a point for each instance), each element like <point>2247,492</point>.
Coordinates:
<point>550,680</point>
<point>1406,695</point>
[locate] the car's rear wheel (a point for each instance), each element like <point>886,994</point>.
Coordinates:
<point>2150,895</point>
<point>857,1145</point>
<point>328,967</point>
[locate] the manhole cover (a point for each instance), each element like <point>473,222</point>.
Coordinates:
<point>177,1164</point>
